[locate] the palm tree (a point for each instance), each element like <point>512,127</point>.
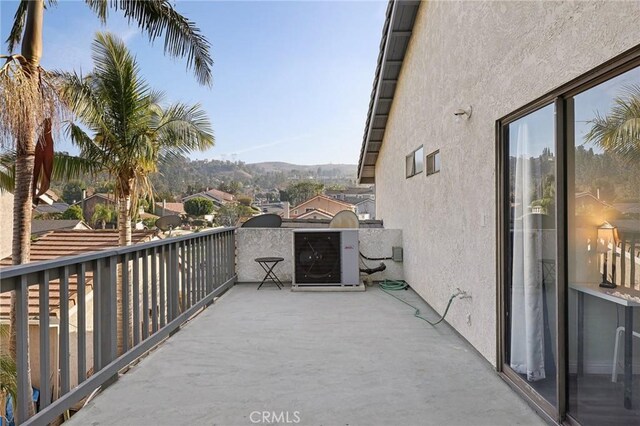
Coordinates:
<point>131,131</point>
<point>103,214</point>
<point>618,132</point>
<point>29,115</point>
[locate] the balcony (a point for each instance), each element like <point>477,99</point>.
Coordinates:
<point>204,349</point>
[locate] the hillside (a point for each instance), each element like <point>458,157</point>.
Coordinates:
<point>346,170</point>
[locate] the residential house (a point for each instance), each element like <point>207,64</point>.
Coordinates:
<point>169,209</point>
<point>41,226</point>
<point>89,204</point>
<point>322,204</point>
<point>55,208</point>
<point>366,209</point>
<point>477,111</point>
<point>315,214</point>
<point>219,198</point>
<point>52,245</point>
<point>281,209</point>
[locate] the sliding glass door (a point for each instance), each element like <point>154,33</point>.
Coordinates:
<point>604,248</point>
<point>569,247</point>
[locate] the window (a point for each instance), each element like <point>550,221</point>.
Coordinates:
<point>415,162</point>
<point>433,163</point>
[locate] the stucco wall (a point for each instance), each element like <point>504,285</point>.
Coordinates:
<point>495,56</point>
<point>260,242</point>
<point>6,223</point>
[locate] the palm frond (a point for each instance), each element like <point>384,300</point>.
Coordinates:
<point>181,36</point>
<point>65,167</point>
<point>19,19</point>
<point>68,167</point>
<point>618,132</point>
<point>100,8</point>
<point>182,129</point>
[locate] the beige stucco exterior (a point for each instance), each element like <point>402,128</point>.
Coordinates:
<point>496,57</point>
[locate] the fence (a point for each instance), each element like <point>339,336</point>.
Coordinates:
<point>127,300</point>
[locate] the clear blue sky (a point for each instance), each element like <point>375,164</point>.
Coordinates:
<point>292,79</point>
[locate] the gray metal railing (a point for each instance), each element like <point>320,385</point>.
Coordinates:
<point>158,286</point>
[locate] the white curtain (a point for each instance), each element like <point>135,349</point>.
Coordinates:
<point>527,322</point>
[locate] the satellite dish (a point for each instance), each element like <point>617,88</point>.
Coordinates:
<point>264,221</point>
<point>168,223</point>
<point>345,219</point>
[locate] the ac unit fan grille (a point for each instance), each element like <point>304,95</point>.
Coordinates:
<point>317,258</point>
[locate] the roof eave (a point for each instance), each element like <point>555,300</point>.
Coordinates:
<point>396,33</point>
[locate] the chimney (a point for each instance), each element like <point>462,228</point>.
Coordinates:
<point>598,193</point>
<point>285,206</point>
<point>84,195</point>
<point>164,207</point>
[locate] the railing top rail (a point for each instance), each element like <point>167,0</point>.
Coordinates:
<point>33,267</point>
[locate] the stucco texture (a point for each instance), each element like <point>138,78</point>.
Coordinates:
<point>496,57</point>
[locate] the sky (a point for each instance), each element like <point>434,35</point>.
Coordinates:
<point>291,79</point>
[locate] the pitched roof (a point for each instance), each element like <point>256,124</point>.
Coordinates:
<point>173,207</point>
<point>53,208</point>
<point>107,197</point>
<point>62,243</point>
<point>332,200</point>
<point>221,195</point>
<point>40,226</point>
<point>321,212</point>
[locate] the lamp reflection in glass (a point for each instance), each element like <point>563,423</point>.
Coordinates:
<point>607,234</point>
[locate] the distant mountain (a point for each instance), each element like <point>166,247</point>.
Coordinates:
<point>279,166</point>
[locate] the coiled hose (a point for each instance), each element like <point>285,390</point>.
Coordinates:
<point>390,285</point>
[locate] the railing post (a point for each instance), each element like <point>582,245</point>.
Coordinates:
<point>45,366</point>
<point>211,252</point>
<point>174,284</point>
<point>22,345</point>
<point>108,311</point>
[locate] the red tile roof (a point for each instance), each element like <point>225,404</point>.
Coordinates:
<point>61,243</point>
<point>172,207</point>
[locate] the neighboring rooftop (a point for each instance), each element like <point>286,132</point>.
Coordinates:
<point>60,207</point>
<point>328,201</point>
<point>60,243</point>
<point>40,226</point>
<point>164,208</point>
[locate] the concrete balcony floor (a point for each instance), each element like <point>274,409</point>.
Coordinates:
<point>335,358</point>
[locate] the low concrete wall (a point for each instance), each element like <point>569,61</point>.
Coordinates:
<point>260,242</point>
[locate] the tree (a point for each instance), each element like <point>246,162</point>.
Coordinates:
<point>72,192</point>
<point>131,131</point>
<point>103,214</point>
<point>228,215</point>
<point>245,201</point>
<point>302,191</point>
<point>35,110</point>
<point>618,132</point>
<point>198,206</point>
<point>73,212</point>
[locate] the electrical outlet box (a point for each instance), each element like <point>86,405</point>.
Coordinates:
<point>396,254</point>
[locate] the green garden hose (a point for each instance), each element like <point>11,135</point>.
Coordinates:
<point>389,285</point>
